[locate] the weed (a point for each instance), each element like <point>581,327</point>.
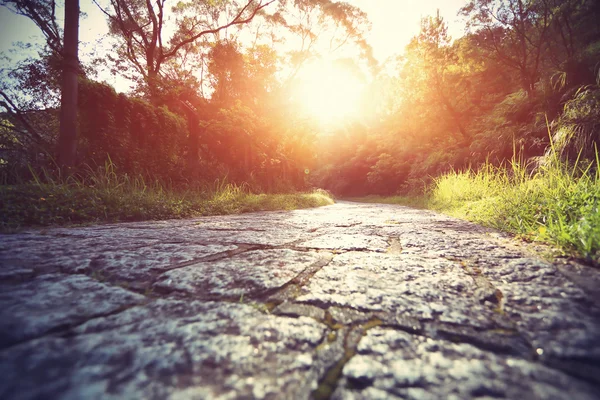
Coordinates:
<point>558,203</point>
<point>102,195</point>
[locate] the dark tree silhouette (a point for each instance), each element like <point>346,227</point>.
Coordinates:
<point>67,141</point>
<point>148,49</point>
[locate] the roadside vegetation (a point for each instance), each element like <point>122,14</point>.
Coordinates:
<point>104,196</point>
<point>557,203</point>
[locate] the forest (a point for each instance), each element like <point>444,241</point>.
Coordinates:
<point>500,125</point>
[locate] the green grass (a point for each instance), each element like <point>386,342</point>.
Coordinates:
<point>557,204</point>
<point>103,196</point>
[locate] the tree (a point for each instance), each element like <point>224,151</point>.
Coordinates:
<point>515,31</point>
<point>228,74</point>
<point>310,27</point>
<point>429,60</point>
<point>62,53</point>
<point>67,141</point>
<point>142,27</point>
<point>43,14</point>
<point>31,83</point>
<point>574,26</point>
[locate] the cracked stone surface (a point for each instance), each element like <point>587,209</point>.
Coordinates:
<point>350,301</point>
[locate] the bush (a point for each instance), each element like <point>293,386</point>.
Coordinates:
<point>558,204</point>
<point>577,133</point>
<point>104,196</point>
<point>137,136</point>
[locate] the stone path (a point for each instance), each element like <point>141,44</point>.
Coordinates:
<point>350,301</point>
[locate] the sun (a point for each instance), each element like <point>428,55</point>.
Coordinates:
<point>329,92</point>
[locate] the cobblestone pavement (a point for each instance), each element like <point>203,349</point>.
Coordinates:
<point>350,301</point>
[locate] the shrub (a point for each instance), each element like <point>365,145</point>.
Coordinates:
<point>137,136</point>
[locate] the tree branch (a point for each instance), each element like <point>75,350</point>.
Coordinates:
<point>13,110</point>
<point>235,21</point>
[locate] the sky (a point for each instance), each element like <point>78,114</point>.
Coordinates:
<point>394,23</point>
<point>15,28</point>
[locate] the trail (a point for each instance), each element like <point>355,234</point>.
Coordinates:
<point>350,301</point>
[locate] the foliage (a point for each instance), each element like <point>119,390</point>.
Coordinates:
<point>452,105</point>
<point>557,204</point>
<point>137,136</point>
<point>577,132</point>
<point>43,14</point>
<point>214,104</point>
<point>154,49</point>
<point>104,196</point>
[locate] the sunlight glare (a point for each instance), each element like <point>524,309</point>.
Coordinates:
<point>329,92</point>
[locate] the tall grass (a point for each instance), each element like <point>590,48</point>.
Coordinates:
<point>103,195</point>
<point>553,202</point>
<point>557,203</point>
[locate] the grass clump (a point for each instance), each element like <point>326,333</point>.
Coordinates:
<point>104,196</point>
<point>557,203</point>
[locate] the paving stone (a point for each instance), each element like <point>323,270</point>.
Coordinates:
<point>121,258</point>
<point>349,301</point>
<point>342,241</point>
<point>244,274</point>
<point>48,302</point>
<point>415,367</point>
<point>171,349</point>
<point>398,283</point>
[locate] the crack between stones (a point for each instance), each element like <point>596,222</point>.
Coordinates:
<point>486,289</point>
<point>432,329</point>
<point>584,370</point>
<point>290,290</point>
<point>265,300</point>
<point>242,248</point>
<point>64,330</point>
<point>592,292</point>
<point>331,377</point>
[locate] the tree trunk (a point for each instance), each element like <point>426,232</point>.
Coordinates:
<point>67,141</point>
